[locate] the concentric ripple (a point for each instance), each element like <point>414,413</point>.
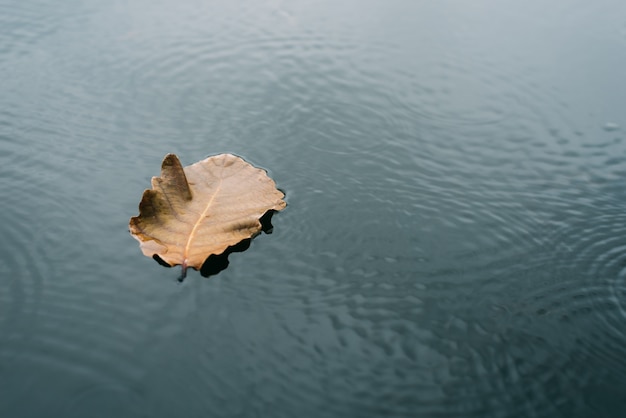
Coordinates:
<point>592,253</point>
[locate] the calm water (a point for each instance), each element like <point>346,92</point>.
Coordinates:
<point>454,244</point>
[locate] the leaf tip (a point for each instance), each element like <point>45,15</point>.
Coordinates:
<point>170,159</point>
<point>173,176</point>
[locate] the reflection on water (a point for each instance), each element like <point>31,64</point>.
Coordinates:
<point>454,241</point>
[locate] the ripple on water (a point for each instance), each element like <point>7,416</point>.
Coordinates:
<point>593,252</point>
<point>383,312</point>
<point>55,318</point>
<point>574,294</point>
<point>112,400</point>
<point>25,25</point>
<point>341,128</point>
<point>22,268</point>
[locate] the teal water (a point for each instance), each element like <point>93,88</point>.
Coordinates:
<point>454,244</point>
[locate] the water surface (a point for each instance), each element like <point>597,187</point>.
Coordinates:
<point>454,243</point>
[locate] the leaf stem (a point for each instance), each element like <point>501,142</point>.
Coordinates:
<point>183,273</point>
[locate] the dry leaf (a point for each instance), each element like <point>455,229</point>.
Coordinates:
<point>202,209</point>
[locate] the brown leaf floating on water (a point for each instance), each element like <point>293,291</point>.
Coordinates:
<point>202,209</point>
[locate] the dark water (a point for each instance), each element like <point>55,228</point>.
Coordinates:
<point>454,244</point>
